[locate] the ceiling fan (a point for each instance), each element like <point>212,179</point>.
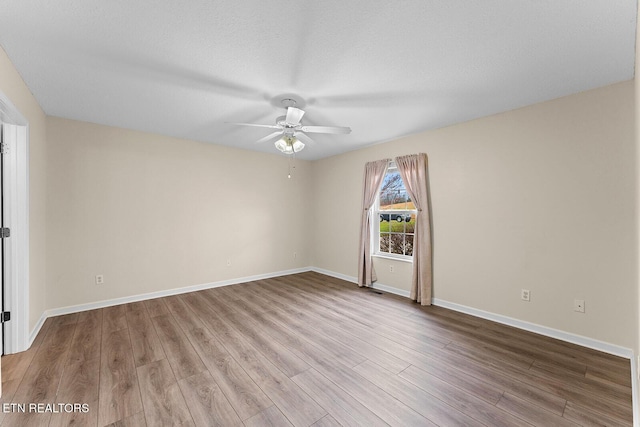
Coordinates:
<point>290,136</point>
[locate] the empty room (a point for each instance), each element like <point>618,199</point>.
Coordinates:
<point>366,213</point>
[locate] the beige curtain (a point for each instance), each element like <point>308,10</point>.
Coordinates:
<point>413,170</point>
<point>373,175</point>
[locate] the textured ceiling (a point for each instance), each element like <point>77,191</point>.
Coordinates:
<point>386,69</point>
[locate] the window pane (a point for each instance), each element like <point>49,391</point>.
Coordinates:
<point>396,223</point>
<point>384,223</point>
<point>392,193</point>
<point>397,244</point>
<point>384,243</point>
<point>408,245</point>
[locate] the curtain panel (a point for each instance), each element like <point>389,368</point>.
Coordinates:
<point>413,169</point>
<point>373,176</point>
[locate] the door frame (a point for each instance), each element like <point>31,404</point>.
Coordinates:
<point>16,268</point>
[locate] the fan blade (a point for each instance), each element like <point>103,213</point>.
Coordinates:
<point>294,115</point>
<point>326,129</point>
<point>304,138</point>
<point>256,125</point>
<point>270,138</point>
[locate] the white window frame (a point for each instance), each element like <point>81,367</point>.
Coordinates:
<point>375,235</point>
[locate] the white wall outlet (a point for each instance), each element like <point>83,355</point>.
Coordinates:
<point>525,294</point>
<point>229,262</point>
<point>578,305</point>
<point>391,269</point>
<point>99,279</point>
<point>295,255</point>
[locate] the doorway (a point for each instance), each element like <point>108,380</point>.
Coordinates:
<point>14,226</point>
<point>4,234</point>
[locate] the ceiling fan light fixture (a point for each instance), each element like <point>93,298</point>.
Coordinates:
<point>289,144</point>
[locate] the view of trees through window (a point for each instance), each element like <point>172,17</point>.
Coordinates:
<point>397,215</point>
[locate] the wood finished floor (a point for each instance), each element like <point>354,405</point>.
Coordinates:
<point>307,350</point>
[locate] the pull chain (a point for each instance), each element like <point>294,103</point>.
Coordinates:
<point>292,166</point>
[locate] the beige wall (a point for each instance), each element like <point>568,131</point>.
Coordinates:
<point>12,85</point>
<point>541,198</point>
<point>152,213</point>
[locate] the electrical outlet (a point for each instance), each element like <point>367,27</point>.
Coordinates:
<point>578,305</point>
<point>295,255</point>
<point>525,294</point>
<point>391,269</point>
<point>229,262</point>
<point>99,279</point>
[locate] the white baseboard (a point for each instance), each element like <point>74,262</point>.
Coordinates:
<point>36,329</point>
<point>141,297</point>
<point>344,277</point>
<point>352,279</point>
<point>594,344</point>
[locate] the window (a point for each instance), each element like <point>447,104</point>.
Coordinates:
<point>397,216</point>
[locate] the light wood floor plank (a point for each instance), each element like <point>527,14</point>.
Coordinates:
<point>469,404</point>
<point>207,403</point>
<point>587,417</point>
<point>144,339</point>
<point>340,404</point>
<point>163,402</point>
<point>42,379</point>
<point>379,356</point>
<point>243,394</point>
<point>297,406</point>
<point>77,418</point>
<point>79,384</point>
<point>270,417</point>
<point>181,355</point>
<point>9,388</point>
<point>40,382</point>
<point>43,332</point>
<point>156,307</point>
<point>66,319</point>
<point>413,396</point>
<point>340,352</point>
<point>14,366</point>
<point>135,420</point>
<point>483,383</point>
<point>320,319</point>
<point>376,399</point>
<point>119,395</point>
<point>568,390</point>
<point>113,319</point>
<point>614,375</point>
<point>521,409</point>
<point>327,421</point>
<point>87,338</point>
<point>276,353</point>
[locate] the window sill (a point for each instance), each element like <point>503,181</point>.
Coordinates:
<point>409,260</point>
